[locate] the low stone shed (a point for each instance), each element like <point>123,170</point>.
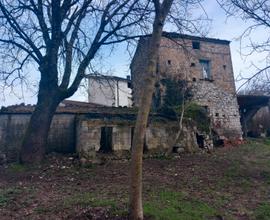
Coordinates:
<point>114,132</point>
<point>86,130</point>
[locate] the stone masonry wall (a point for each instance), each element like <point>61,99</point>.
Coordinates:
<point>82,133</point>
<point>179,61</point>
<point>223,109</point>
<point>159,136</point>
<point>13,126</point>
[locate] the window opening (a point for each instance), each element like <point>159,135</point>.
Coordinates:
<point>205,64</point>
<point>196,45</point>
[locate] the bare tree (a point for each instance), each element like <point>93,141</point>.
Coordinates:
<point>257,12</point>
<point>178,13</point>
<point>60,38</point>
<point>161,12</point>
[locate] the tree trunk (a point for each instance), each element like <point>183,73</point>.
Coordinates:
<point>136,207</point>
<point>34,143</point>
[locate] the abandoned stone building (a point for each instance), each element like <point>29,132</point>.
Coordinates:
<point>91,129</point>
<point>109,90</point>
<point>206,65</point>
<point>85,128</point>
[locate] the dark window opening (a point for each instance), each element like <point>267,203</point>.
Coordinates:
<point>106,140</point>
<point>219,143</point>
<point>192,64</point>
<point>169,62</point>
<point>205,65</point>
<point>129,85</point>
<point>196,45</point>
<point>132,134</point>
<point>145,148</point>
<point>217,114</point>
<point>216,139</point>
<point>224,67</point>
<point>200,140</point>
<point>194,79</point>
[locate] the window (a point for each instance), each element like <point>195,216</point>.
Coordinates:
<point>169,62</point>
<point>205,65</point>
<point>129,85</point>
<point>196,45</point>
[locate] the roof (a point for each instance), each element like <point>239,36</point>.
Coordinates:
<point>84,109</point>
<point>174,35</point>
<point>106,77</point>
<point>67,106</point>
<point>72,103</point>
<point>194,38</point>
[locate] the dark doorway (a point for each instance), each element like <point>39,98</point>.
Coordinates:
<point>132,134</point>
<point>200,140</point>
<point>106,140</point>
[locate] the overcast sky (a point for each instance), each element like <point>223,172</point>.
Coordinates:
<point>118,62</point>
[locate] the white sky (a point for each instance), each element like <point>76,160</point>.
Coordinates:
<point>118,62</point>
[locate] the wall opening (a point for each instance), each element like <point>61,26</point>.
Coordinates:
<point>145,148</point>
<point>200,140</point>
<point>196,45</point>
<point>205,68</point>
<point>216,139</point>
<point>106,140</point>
<point>132,134</point>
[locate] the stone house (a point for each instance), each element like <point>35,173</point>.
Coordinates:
<point>205,64</point>
<point>109,90</point>
<point>93,128</point>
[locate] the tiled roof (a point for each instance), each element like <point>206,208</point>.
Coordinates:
<point>69,106</point>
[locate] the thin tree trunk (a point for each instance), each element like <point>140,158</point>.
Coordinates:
<point>34,143</point>
<point>136,208</point>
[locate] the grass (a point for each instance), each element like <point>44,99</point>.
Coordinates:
<point>78,199</point>
<point>17,168</point>
<point>263,211</point>
<point>168,205</point>
<point>7,195</point>
<point>266,176</point>
<point>85,199</point>
<point>237,183</point>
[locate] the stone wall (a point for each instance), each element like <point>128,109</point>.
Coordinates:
<point>178,60</point>
<point>222,107</point>
<point>13,126</point>
<point>160,136</point>
<point>82,133</point>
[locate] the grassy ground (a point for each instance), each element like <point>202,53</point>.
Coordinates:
<point>231,183</point>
